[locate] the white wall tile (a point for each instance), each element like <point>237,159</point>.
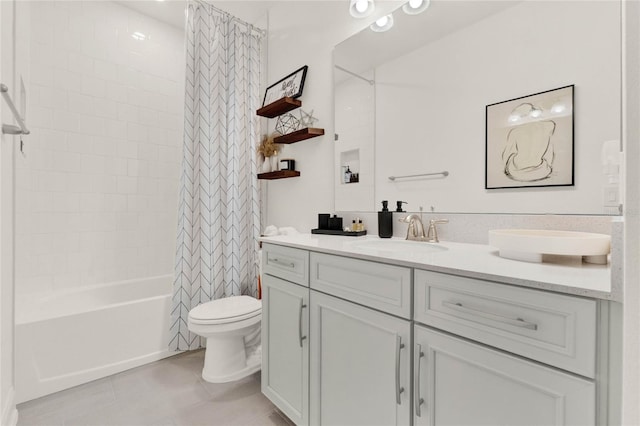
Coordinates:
<point>97,192</point>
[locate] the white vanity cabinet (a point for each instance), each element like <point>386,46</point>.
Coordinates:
<point>353,341</point>
<point>360,365</point>
<point>285,332</point>
<point>461,382</point>
<point>360,357</point>
<point>457,382</point>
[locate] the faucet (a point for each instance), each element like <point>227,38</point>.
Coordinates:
<point>432,232</point>
<point>415,232</point>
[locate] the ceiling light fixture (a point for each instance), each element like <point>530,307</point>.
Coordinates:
<point>382,24</point>
<point>361,8</point>
<point>413,7</point>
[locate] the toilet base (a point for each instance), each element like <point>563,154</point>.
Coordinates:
<point>244,362</point>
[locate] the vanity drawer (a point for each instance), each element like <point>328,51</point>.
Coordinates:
<point>379,286</point>
<point>287,263</point>
<point>555,329</point>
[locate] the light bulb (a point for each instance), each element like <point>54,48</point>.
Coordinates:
<point>381,22</point>
<point>414,7</point>
<point>558,108</point>
<point>362,5</point>
<point>361,8</point>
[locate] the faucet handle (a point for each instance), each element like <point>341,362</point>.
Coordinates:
<point>432,232</point>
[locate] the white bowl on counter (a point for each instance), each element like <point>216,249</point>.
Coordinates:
<point>531,244</point>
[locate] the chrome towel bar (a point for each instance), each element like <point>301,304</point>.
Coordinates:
<point>443,174</point>
<point>10,129</point>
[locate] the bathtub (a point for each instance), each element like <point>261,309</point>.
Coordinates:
<point>74,336</point>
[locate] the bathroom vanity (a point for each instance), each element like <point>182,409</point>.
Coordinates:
<point>365,331</point>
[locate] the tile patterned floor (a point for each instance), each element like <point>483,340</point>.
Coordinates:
<point>170,392</point>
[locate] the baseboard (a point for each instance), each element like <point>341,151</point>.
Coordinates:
<point>9,410</point>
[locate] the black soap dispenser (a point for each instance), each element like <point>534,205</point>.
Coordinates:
<point>385,221</point>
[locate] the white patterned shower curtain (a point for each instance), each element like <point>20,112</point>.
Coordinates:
<point>219,218</point>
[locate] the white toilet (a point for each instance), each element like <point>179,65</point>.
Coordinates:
<point>232,329</point>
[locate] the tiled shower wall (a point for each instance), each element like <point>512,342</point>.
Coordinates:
<point>97,188</point>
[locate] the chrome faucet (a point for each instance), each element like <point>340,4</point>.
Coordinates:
<point>432,231</point>
<point>415,231</point>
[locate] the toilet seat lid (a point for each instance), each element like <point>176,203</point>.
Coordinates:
<point>234,307</point>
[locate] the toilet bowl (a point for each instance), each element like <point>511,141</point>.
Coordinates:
<point>232,329</point>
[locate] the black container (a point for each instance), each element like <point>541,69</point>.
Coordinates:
<point>323,220</point>
<point>385,221</point>
<point>335,223</point>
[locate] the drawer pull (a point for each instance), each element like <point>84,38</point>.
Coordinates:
<point>419,400</point>
<point>399,390</point>
<point>518,322</point>
<point>282,263</point>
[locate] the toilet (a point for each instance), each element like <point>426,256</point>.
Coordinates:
<point>232,329</point>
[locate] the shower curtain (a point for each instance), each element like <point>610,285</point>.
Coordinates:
<point>219,223</point>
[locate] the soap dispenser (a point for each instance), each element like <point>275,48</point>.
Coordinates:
<point>385,221</point>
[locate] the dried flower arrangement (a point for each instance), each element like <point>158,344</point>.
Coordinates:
<point>267,148</point>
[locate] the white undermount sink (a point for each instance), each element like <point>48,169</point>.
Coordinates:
<point>531,244</point>
<point>399,246</point>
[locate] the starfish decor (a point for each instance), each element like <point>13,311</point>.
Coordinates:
<point>307,119</point>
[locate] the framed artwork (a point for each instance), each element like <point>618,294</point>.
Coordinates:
<point>529,141</point>
<point>290,86</point>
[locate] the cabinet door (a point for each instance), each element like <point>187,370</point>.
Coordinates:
<point>285,347</point>
<point>461,383</point>
<point>360,365</point>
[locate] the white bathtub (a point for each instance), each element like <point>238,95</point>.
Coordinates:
<point>72,337</point>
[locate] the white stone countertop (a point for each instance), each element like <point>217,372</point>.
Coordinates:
<point>562,274</point>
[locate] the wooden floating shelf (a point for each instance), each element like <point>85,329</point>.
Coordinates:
<point>279,107</point>
<point>299,135</point>
<point>281,174</point>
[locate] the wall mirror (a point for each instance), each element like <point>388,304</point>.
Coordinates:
<point>412,101</point>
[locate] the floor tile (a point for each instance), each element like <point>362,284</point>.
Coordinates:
<point>169,392</point>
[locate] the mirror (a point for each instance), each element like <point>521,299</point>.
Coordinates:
<point>412,101</point>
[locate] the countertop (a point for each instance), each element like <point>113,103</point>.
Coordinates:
<point>561,274</point>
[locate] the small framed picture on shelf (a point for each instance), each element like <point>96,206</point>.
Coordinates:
<point>290,86</point>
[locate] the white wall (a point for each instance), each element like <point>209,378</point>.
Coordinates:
<point>631,129</point>
<point>97,190</point>
<point>304,33</point>
<point>444,87</point>
<point>354,101</point>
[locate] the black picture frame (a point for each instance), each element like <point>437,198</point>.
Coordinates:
<point>290,86</point>
<point>545,119</point>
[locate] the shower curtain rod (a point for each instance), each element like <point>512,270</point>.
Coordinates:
<point>252,27</point>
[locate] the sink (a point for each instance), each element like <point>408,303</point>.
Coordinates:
<point>531,244</point>
<point>399,246</point>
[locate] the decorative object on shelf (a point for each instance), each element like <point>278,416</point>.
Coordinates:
<point>287,164</point>
<point>346,175</point>
<point>266,165</point>
<point>267,149</point>
<point>287,123</point>
<point>307,119</point>
<point>290,86</point>
<point>529,141</point>
<point>275,165</point>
